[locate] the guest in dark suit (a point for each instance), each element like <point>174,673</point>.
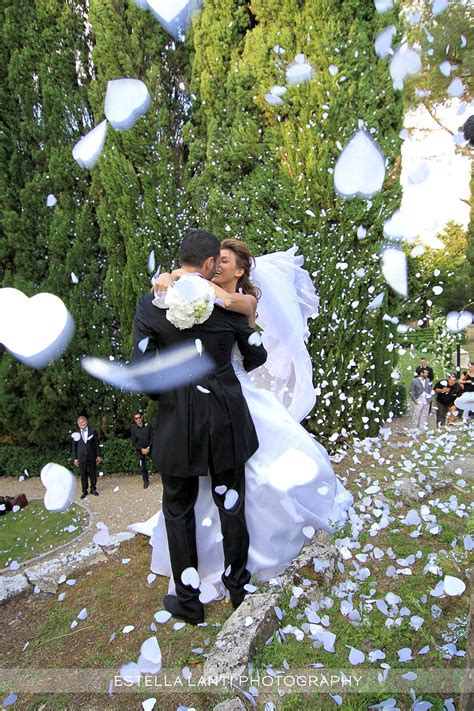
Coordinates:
<point>140,434</point>
<point>200,429</point>
<point>86,454</point>
<point>424,366</point>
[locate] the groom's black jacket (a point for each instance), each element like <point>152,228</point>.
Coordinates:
<point>189,421</point>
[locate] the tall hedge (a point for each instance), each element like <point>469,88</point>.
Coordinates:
<point>265,173</point>
<point>44,110</point>
<point>209,152</point>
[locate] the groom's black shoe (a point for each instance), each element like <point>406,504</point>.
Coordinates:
<point>188,613</point>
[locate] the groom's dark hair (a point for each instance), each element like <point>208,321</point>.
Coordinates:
<point>197,246</point>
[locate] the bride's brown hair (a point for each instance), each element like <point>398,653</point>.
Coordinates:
<point>244,260</point>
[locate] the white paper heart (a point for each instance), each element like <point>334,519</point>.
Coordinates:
<point>190,576</point>
<point>59,484</point>
<point>207,593</point>
<point>300,71</point>
<point>438,6</point>
<point>383,42</point>
<point>174,15</point>
<point>157,373</point>
<point>456,88</point>
<point>88,149</point>
<point>255,339</point>
<point>360,169</point>
<point>151,651</point>
<point>446,68</point>
<point>231,498</point>
<point>101,538</point>
<point>162,616</point>
<point>394,269</point>
<point>405,62</point>
<point>377,302</point>
<point>308,531</point>
<point>453,586</point>
<point>273,100</point>
<point>125,101</point>
<point>459,320</point>
<point>34,330</point>
<point>383,5</point>
<point>130,672</point>
<point>356,656</point>
<point>51,200</point>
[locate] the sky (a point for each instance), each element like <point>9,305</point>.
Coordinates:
<point>439,198</point>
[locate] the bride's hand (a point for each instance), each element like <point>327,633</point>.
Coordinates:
<point>163,283</point>
<point>165,280</point>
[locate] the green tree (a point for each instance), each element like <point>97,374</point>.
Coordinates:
<point>264,173</point>
<point>441,277</point>
<point>44,109</point>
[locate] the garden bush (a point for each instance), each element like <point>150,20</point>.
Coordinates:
<point>118,458</point>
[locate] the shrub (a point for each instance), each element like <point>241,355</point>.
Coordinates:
<point>118,457</point>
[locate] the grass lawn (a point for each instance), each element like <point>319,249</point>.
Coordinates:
<point>35,530</point>
<point>117,594</point>
<point>415,619</point>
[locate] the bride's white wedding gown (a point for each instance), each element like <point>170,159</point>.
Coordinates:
<point>291,488</point>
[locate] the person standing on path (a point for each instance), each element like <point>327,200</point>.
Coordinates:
<point>140,434</point>
<point>86,455</point>
<point>420,395</point>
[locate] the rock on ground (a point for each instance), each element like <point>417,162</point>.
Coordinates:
<point>315,566</point>
<point>46,575</point>
<point>409,491</point>
<point>234,704</point>
<point>465,465</point>
<point>11,585</point>
<point>250,625</point>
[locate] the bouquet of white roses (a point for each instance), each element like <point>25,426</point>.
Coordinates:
<point>188,302</point>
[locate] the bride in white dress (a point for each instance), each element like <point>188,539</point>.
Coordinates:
<point>291,488</point>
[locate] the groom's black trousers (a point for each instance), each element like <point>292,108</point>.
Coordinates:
<point>179,497</point>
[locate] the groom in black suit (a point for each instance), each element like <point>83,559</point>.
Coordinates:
<point>199,432</point>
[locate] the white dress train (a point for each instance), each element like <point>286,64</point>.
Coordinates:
<point>291,488</point>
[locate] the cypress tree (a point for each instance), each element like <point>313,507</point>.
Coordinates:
<point>136,182</point>
<point>265,173</point>
<point>44,111</point>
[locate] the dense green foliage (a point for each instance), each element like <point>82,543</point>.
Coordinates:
<point>265,173</point>
<point>445,269</point>
<point>118,458</point>
<point>209,152</point>
<point>445,37</point>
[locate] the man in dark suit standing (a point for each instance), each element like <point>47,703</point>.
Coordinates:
<point>423,366</point>
<point>140,435</point>
<point>202,428</point>
<point>86,454</point>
